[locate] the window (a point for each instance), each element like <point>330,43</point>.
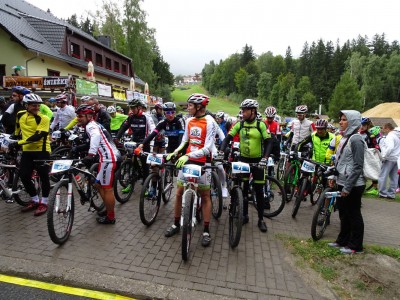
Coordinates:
<point>116,67</point>
<point>75,51</point>
<point>99,60</point>
<point>124,70</point>
<point>87,54</point>
<point>53,72</point>
<point>2,73</point>
<point>108,63</point>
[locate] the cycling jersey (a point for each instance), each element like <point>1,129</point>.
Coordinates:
<point>63,117</point>
<point>34,130</point>
<point>273,127</point>
<point>141,126</point>
<point>172,129</point>
<point>100,143</point>
<point>117,121</point>
<point>9,116</point>
<point>45,110</point>
<point>320,145</point>
<point>301,130</point>
<point>199,136</point>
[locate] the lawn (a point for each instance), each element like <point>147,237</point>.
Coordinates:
<point>180,94</point>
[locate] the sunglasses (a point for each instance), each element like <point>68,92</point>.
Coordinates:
<point>34,105</point>
<point>169,112</point>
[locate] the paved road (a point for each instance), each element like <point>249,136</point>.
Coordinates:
<point>131,259</point>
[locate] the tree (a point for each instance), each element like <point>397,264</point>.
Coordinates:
<point>87,26</point>
<point>247,56</point>
<point>179,78</point>
<point>289,66</point>
<point>73,20</point>
<point>264,87</point>
<point>241,81</point>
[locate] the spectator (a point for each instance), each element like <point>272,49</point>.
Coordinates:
<point>390,155</point>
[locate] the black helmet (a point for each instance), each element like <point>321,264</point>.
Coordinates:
<point>169,106</point>
<point>85,109</point>
<point>135,103</point>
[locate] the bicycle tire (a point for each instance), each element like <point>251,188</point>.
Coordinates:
<point>300,197</point>
<point>216,195</point>
<point>187,227</point>
<point>316,190</point>
<point>150,205</point>
<point>280,170</point>
<point>96,202</point>
<point>57,234</point>
<point>288,183</point>
<point>235,217</point>
<point>167,184</point>
<point>22,197</point>
<point>319,220</point>
<point>277,198</point>
<point>123,177</point>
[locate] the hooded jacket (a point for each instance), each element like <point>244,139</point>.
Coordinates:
<point>391,145</point>
<point>350,158</point>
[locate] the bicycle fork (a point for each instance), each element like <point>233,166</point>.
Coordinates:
<point>69,200</point>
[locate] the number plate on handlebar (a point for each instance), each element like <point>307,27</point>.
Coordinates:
<point>240,167</point>
<point>130,146</point>
<point>236,145</point>
<point>60,166</point>
<point>56,135</point>
<point>308,167</point>
<point>191,170</point>
<point>154,159</point>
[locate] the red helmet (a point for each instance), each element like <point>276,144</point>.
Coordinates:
<point>321,123</point>
<point>158,105</point>
<point>270,112</point>
<point>199,99</point>
<point>85,109</point>
<point>61,98</point>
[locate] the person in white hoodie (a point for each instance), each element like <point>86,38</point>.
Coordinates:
<point>390,154</point>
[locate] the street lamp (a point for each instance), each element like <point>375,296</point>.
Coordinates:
<point>320,105</point>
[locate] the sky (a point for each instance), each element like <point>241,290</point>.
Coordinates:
<point>191,33</point>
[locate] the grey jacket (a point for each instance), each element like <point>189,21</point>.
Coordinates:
<point>350,159</point>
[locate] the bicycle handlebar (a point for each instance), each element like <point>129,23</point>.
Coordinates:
<point>335,194</point>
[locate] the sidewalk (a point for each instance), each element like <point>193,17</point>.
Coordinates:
<point>133,260</point>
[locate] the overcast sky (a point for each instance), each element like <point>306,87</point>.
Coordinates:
<point>192,33</point>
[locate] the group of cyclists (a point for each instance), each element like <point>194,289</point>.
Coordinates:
<point>191,139</point>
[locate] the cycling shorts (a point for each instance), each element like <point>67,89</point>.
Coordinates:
<point>204,181</point>
<point>105,177</point>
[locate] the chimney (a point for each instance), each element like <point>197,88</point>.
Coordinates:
<point>105,40</point>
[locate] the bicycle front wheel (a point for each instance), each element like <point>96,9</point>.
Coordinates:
<point>321,217</point>
<point>300,197</point>
<point>168,184</point>
<point>235,216</point>
<point>96,201</point>
<point>60,213</point>
<point>150,199</point>
<point>187,226</point>
<point>289,184</point>
<point>20,195</point>
<point>124,182</point>
<point>280,171</point>
<point>216,195</point>
<point>275,197</point>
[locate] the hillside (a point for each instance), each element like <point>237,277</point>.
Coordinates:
<point>385,110</point>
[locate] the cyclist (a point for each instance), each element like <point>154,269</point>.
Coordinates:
<point>255,147</point>
<point>65,113</point>
<point>159,142</point>
<point>224,125</point>
<point>116,119</point>
<point>141,125</point>
<point>301,127</point>
<point>34,128</point>
<point>8,119</point>
<point>199,138</point>
<point>274,129</point>
<point>320,140</point>
<point>102,116</point>
<point>101,144</point>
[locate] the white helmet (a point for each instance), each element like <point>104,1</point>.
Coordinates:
<point>249,103</point>
<point>111,109</point>
<point>270,112</point>
<point>32,99</point>
<point>301,109</point>
<point>220,114</point>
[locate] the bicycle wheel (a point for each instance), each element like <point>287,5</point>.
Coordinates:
<point>300,196</point>
<point>316,189</point>
<point>321,217</point>
<point>276,197</point>
<point>280,171</point>
<point>21,196</point>
<point>96,201</point>
<point>168,184</point>
<point>216,195</point>
<point>123,178</point>
<point>60,215</point>
<point>235,216</point>
<point>150,199</point>
<point>289,185</point>
<point>187,226</point>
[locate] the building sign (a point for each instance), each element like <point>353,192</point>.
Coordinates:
<point>84,87</point>
<point>26,81</point>
<point>104,90</point>
<point>52,82</point>
<point>119,94</point>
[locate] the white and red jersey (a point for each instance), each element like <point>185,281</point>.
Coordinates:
<point>301,130</point>
<point>100,143</point>
<point>200,137</point>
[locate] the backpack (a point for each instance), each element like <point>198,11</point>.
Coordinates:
<point>258,126</point>
<point>372,162</point>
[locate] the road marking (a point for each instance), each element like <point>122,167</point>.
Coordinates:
<point>62,289</point>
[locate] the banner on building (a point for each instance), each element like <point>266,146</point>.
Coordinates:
<point>52,82</point>
<point>84,87</point>
<point>104,90</point>
<point>129,95</point>
<point>29,82</point>
<point>119,94</point>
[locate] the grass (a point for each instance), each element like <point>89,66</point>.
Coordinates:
<point>180,94</point>
<point>396,199</point>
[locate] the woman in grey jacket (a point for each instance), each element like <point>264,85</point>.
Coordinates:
<point>351,182</point>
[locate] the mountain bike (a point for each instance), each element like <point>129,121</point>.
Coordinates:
<point>61,206</point>
<point>292,175</point>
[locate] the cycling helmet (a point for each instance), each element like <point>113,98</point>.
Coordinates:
<point>220,114</point>
<point>321,123</point>
<point>365,120</point>
<point>270,112</point>
<point>158,105</point>
<point>32,99</point>
<point>19,89</point>
<point>2,99</point>
<point>111,109</point>
<point>153,112</point>
<point>169,106</point>
<point>61,98</point>
<point>375,131</point>
<point>259,116</point>
<point>249,103</point>
<point>135,103</point>
<point>301,109</point>
<point>198,99</point>
<point>85,109</point>
<point>143,104</point>
<point>52,100</point>
<point>240,114</point>
<point>330,126</point>
<point>85,98</point>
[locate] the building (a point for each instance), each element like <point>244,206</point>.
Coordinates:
<point>53,53</point>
